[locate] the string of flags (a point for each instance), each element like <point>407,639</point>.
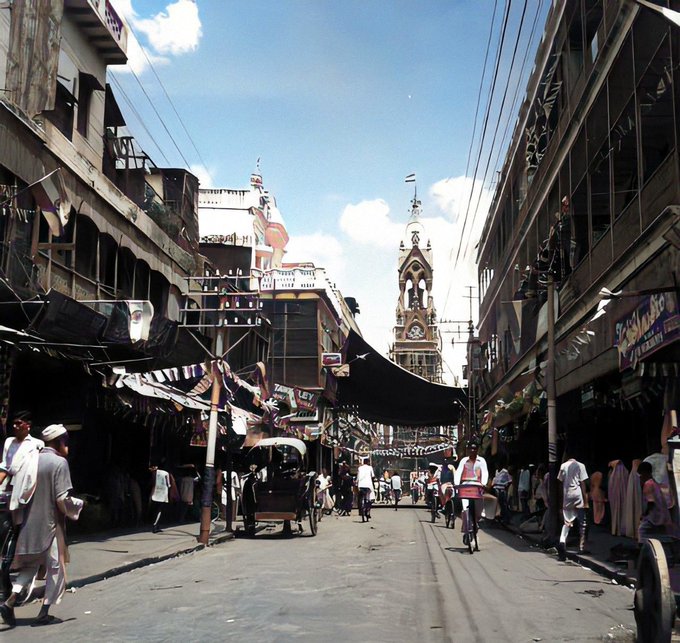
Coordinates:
<point>414,450</point>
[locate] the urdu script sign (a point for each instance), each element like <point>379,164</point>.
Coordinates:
<point>655,323</point>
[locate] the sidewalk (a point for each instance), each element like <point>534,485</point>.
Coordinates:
<point>607,554</point>
<point>95,557</point>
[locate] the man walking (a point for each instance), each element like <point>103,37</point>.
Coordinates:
<point>42,540</point>
<point>395,480</point>
<point>18,471</point>
<point>365,478</point>
<point>573,476</point>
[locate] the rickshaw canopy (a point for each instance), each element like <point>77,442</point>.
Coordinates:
<point>279,442</point>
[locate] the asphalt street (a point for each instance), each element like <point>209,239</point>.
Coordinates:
<point>397,578</point>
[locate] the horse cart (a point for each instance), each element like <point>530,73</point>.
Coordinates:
<point>278,487</point>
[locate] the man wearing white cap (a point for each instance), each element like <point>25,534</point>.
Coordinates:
<point>41,540</point>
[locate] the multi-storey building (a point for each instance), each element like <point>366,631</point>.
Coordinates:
<point>96,242</point>
<point>304,315</point>
<point>589,197</point>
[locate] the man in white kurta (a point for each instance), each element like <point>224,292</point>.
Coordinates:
<point>41,539</point>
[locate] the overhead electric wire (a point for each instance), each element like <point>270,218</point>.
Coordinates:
<point>514,106</point>
<point>160,118</point>
<point>174,109</point>
<point>486,122</point>
<point>495,133</point>
<point>132,107</point>
<point>474,127</point>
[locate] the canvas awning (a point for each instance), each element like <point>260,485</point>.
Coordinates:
<point>383,392</point>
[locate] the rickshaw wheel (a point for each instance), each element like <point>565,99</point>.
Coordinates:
<point>311,514</point>
<point>654,602</point>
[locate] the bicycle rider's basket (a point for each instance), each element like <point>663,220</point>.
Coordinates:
<point>470,491</point>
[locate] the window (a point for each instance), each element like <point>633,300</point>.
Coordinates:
<point>621,81</point>
<point>592,22</point>
<point>87,84</point>
<point>62,114</point>
<point>86,247</point>
<point>655,96</point>
<point>142,274</point>
<point>624,159</point>
<point>107,261</point>
<point>579,215</point>
<point>573,52</point>
<point>599,193</point>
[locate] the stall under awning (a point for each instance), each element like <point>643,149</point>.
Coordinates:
<point>384,392</point>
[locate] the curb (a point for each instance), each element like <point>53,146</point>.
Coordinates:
<point>599,568</point>
<point>145,562</point>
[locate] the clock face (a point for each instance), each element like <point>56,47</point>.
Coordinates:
<point>415,332</point>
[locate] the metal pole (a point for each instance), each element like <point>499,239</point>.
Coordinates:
<point>209,474</point>
<point>553,465</point>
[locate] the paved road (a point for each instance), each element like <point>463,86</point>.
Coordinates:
<point>397,578</point>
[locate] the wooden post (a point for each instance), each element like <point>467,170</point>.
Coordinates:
<point>209,474</point>
<point>553,465</point>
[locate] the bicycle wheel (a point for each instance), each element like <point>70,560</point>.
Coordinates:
<point>475,529</point>
<point>312,514</point>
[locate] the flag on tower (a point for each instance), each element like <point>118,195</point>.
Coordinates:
<point>411,178</point>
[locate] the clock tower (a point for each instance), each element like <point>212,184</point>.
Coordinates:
<point>417,342</point>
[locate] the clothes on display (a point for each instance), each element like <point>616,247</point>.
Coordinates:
<point>598,497</point>
<point>633,507</point>
<point>617,487</point>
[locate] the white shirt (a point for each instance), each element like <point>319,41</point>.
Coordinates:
<point>396,482</point>
<point>572,473</point>
<point>365,476</point>
<point>161,487</point>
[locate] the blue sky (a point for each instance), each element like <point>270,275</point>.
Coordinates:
<point>340,101</point>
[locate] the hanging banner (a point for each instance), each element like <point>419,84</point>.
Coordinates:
<point>655,323</point>
<point>305,400</point>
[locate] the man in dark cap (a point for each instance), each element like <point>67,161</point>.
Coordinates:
<point>18,470</point>
<point>42,539</point>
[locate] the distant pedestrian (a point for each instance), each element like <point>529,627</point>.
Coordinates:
<point>160,495</point>
<point>573,476</point>
<point>501,481</point>
<point>365,479</point>
<point>345,490</point>
<point>42,539</point>
<point>396,488</point>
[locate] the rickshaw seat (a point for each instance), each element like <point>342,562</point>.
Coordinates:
<point>280,485</point>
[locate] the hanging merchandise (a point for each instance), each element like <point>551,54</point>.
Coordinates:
<point>633,508</point>
<point>617,486</point>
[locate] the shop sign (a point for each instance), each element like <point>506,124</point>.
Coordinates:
<point>655,323</point>
<point>305,400</point>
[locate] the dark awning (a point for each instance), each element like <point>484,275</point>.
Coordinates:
<point>384,392</point>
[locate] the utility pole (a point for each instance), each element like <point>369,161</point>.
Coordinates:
<point>552,412</point>
<point>226,306</point>
<point>209,474</point>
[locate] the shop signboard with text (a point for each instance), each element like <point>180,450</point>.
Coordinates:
<point>655,323</point>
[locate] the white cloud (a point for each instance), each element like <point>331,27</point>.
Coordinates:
<point>175,31</point>
<point>323,250</point>
<point>202,174</point>
<point>368,222</point>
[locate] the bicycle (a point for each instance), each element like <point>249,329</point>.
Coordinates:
<point>472,492</point>
<point>471,533</point>
<point>364,504</point>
